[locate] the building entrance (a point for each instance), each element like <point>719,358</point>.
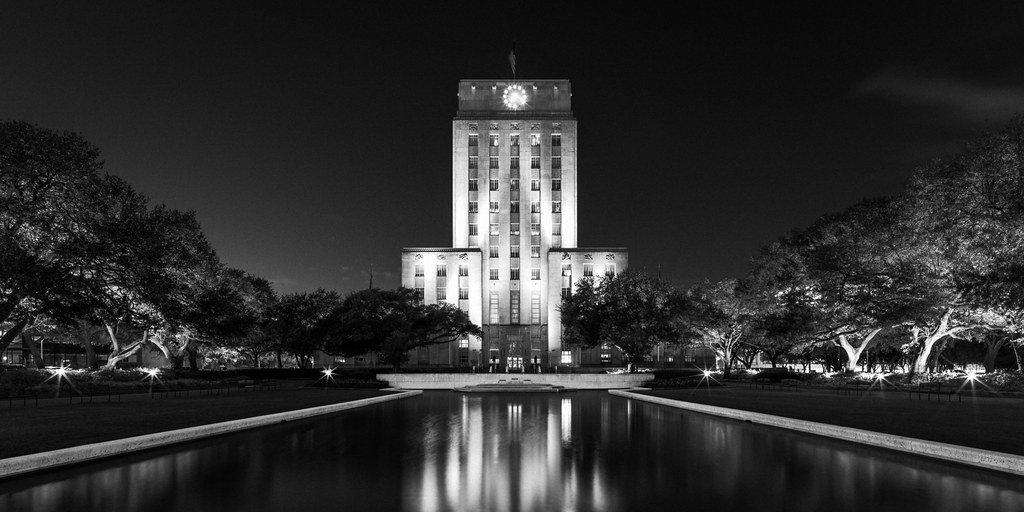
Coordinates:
<point>514,362</point>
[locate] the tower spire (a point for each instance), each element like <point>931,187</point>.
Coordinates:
<point>512,60</point>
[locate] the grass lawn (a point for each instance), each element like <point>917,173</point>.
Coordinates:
<point>57,424</point>
<point>977,422</point>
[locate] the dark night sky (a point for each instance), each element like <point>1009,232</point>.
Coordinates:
<point>313,140</point>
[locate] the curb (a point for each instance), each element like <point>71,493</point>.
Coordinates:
<point>49,460</point>
<point>998,461</point>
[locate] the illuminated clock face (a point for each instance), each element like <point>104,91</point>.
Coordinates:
<point>514,97</point>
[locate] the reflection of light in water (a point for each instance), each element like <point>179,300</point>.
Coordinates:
<point>566,421</point>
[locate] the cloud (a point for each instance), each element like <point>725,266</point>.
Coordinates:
<point>959,100</point>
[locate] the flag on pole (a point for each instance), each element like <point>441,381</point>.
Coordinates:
<point>512,60</point>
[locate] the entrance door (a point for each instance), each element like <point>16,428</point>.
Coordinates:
<point>515,362</point>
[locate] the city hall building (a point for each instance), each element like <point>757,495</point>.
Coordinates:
<point>514,229</point>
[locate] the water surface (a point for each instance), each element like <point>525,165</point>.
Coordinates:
<point>501,452</point>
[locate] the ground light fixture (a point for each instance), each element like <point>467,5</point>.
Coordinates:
<point>328,375</point>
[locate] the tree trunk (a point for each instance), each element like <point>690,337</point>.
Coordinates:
<point>280,359</point>
<point>33,347</point>
<point>12,334</point>
<point>118,354</point>
<point>941,331</point>
<point>992,349</point>
<point>1016,354</point>
<point>853,353</point>
<point>193,358</point>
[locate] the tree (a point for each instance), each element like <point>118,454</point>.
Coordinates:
<point>294,320</point>
<point>632,311</point>
<point>964,218</point>
<point>391,323</point>
<point>719,315</point>
<point>244,303</point>
<point>47,180</point>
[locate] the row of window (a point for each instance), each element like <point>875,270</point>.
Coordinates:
<point>588,269</point>
<point>442,270</point>
<point>494,139</point>
<point>492,162</point>
<point>474,230</point>
<point>494,207</point>
<point>474,185</point>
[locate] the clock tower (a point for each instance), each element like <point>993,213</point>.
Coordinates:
<point>514,227</point>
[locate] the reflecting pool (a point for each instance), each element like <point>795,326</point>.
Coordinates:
<point>505,452</point>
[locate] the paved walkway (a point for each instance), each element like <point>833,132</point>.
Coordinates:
<point>977,422</point>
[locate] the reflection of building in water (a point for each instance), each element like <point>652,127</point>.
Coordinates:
<point>514,229</point>
<point>506,455</point>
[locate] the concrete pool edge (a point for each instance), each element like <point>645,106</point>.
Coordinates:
<point>15,466</point>
<point>997,461</point>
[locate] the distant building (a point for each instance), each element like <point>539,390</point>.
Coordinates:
<point>514,228</point>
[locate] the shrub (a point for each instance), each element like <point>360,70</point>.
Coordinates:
<point>778,374</point>
<point>13,381</point>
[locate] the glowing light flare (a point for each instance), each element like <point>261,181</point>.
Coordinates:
<point>61,373</point>
<point>328,376</point>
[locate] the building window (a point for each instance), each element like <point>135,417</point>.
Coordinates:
<point>494,184</point>
<point>535,251</point>
<point>494,228</point>
<point>473,207</point>
<point>588,270</point>
<point>514,206</point>
<point>514,185</point>
<point>442,270</point>
<point>474,139</point>
<point>463,270</point>
<point>494,139</point>
<point>556,163</point>
<point>535,228</point>
<point>515,229</point>
<point>463,293</point>
<point>494,205</point>
<point>535,139</point>
<point>494,251</point>
<point>566,357</point>
<point>556,184</point>
<point>513,163</point>
<point>535,274</point>
<point>514,251</point>
<point>463,342</point>
<point>556,139</point>
<point>419,270</point>
<point>556,229</point>
<point>534,162</point>
<point>534,207</point>
<point>419,294</point>
<point>566,292</point>
<point>566,269</point>
<point>535,310</point>
<point>473,162</point>
<point>556,207</point>
<point>494,308</point>
<point>494,274</point>
<point>534,184</point>
<point>473,230</point>
<point>493,162</point>
<point>609,269</point>
<point>473,185</point>
<point>513,139</point>
<point>513,274</point>
<point>442,293</point>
